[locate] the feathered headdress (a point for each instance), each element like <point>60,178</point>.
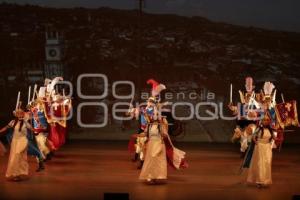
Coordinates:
<point>47,81</point>
<point>268,89</point>
<point>249,84</point>
<point>50,87</point>
<point>156,87</point>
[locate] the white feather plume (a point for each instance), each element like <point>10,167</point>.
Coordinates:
<point>268,88</point>
<point>157,90</point>
<point>51,86</point>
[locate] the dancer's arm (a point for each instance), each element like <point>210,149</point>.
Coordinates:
<point>9,125</point>
<point>133,112</point>
<point>3,129</point>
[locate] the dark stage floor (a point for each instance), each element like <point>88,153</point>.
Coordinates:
<point>85,170</point>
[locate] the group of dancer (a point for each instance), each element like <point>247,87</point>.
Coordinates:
<point>152,145</point>
<point>261,122</point>
<point>260,127</point>
<point>38,129</point>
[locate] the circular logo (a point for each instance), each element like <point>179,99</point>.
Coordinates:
<point>52,52</point>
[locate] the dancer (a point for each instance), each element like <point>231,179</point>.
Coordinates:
<point>17,168</point>
<point>260,157</point>
<point>246,114</point>
<point>33,147</point>
<point>159,152</point>
<point>40,126</point>
<point>136,144</point>
<point>155,166</point>
<point>56,108</point>
<point>260,168</point>
<point>273,119</point>
<point>56,112</point>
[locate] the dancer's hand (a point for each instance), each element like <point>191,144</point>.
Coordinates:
<point>255,141</point>
<point>230,105</point>
<point>232,108</point>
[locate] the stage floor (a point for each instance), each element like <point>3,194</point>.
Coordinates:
<point>85,170</point>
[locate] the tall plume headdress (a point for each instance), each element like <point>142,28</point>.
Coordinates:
<point>52,83</point>
<point>249,84</point>
<point>156,87</point>
<point>268,89</point>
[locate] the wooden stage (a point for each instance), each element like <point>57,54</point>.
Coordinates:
<point>85,170</point>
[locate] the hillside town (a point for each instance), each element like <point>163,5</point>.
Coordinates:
<point>187,53</point>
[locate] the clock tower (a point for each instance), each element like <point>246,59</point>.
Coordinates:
<point>54,55</point>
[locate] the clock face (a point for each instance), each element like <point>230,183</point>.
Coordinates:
<point>52,52</point>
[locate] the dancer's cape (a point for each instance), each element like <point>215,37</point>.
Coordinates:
<point>33,148</point>
<point>249,153</point>
<point>9,135</point>
<point>248,156</point>
<point>175,157</point>
<point>57,119</point>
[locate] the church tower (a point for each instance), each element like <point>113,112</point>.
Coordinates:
<point>54,55</point>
